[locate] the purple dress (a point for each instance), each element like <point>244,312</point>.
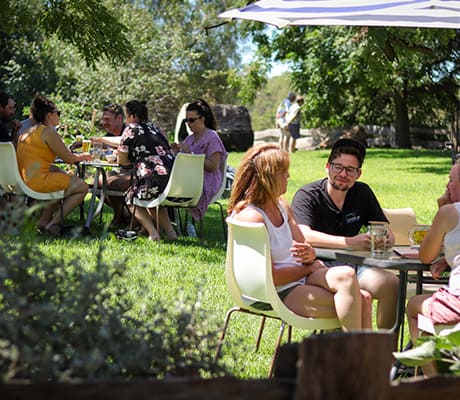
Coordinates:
<point>209,144</point>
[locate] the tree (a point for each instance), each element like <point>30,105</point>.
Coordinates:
<point>173,60</point>
<point>363,75</point>
<point>27,62</point>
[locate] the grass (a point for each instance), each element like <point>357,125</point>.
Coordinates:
<point>400,178</point>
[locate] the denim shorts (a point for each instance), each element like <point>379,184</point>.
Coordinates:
<point>360,269</point>
<point>260,305</point>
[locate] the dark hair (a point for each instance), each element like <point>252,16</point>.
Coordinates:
<point>40,107</point>
<point>4,97</point>
<point>203,110</point>
<point>137,109</point>
<point>348,146</point>
<point>115,109</point>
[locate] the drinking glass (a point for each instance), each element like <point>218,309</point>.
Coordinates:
<point>86,145</point>
<point>378,232</point>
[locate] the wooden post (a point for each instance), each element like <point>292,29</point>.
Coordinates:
<point>352,366</point>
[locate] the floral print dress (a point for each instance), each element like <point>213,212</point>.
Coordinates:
<point>152,157</point>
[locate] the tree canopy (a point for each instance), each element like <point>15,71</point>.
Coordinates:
<point>99,51</point>
<point>359,75</point>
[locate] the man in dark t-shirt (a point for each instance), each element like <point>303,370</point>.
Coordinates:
<point>332,212</point>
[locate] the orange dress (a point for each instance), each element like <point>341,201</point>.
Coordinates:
<point>34,161</point>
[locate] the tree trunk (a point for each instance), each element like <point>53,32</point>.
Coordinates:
<point>402,122</point>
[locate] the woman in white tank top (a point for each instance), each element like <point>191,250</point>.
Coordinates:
<point>443,307</point>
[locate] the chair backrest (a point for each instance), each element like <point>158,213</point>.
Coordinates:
<point>249,277</point>
<point>10,179</point>
<point>248,252</point>
<point>221,190</point>
<point>401,220</point>
<point>185,184</point>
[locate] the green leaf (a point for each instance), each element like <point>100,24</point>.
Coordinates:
<point>419,355</point>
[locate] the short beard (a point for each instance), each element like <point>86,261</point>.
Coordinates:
<point>337,187</point>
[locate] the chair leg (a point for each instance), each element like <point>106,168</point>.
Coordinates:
<point>289,333</point>
<point>277,346</point>
<point>224,330</point>
<point>157,208</point>
<point>222,218</point>
<point>261,330</point>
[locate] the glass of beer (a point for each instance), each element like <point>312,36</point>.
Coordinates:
<point>417,234</point>
<point>86,146</point>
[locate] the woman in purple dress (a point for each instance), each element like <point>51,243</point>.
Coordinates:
<point>204,140</point>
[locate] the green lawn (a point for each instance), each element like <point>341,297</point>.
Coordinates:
<point>400,178</point>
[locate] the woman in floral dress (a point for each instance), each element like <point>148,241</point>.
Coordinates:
<point>145,146</point>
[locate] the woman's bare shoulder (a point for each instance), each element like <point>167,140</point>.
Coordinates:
<point>249,214</point>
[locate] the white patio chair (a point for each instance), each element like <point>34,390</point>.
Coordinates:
<point>217,197</point>
<point>12,182</point>
<point>249,278</point>
<point>401,220</point>
<point>425,324</point>
<point>184,187</point>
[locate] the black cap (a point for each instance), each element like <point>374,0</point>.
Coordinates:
<point>346,142</point>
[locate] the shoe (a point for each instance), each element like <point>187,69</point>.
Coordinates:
<point>126,235</point>
<point>191,230</point>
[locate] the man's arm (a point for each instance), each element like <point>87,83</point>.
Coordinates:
<point>320,239</point>
<point>112,141</point>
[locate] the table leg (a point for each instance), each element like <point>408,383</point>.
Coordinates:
<point>92,202</point>
<point>81,171</point>
<point>102,192</point>
<point>401,309</point>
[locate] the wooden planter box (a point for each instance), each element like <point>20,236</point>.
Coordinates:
<point>327,367</point>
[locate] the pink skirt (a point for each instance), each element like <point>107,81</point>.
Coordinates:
<point>445,308</point>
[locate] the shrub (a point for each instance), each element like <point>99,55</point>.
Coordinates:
<point>60,320</point>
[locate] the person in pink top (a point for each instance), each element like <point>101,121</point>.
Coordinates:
<point>204,140</point>
<point>442,306</point>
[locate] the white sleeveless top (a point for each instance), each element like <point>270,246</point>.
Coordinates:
<point>280,244</point>
<point>452,254</point>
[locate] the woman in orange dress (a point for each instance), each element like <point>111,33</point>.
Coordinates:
<point>38,147</point>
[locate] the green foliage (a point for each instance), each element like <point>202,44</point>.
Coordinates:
<point>173,60</point>
<point>444,350</point>
<point>268,97</point>
<point>72,318</point>
<point>358,75</point>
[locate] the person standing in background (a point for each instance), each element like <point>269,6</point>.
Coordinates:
<point>293,120</point>
<point>281,123</point>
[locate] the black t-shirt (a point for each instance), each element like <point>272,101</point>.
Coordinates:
<point>4,132</point>
<point>313,207</point>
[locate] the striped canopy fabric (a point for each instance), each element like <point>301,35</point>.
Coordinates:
<point>399,13</point>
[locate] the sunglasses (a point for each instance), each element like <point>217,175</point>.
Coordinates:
<point>57,112</point>
<point>191,120</point>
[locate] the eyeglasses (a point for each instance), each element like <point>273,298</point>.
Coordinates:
<point>350,171</point>
<point>191,120</point>
<point>57,112</point>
